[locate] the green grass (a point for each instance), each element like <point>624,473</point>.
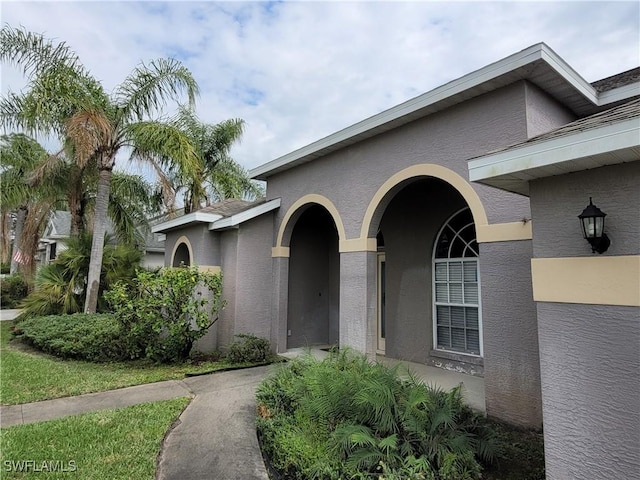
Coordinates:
<point>113,444</point>
<point>28,376</point>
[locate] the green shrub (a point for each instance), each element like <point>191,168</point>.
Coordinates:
<point>369,421</point>
<point>60,287</point>
<point>13,290</point>
<point>95,338</point>
<point>5,268</point>
<point>248,349</point>
<point>163,313</point>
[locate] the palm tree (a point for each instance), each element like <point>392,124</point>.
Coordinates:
<point>62,96</point>
<point>219,176</point>
<point>19,155</point>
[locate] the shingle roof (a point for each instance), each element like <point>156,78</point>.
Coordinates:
<point>618,80</point>
<point>231,206</point>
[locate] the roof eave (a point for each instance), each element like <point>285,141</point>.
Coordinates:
<point>513,68</point>
<point>512,169</point>
<point>235,220</point>
<point>190,218</point>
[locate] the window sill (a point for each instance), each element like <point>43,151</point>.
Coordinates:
<point>458,357</point>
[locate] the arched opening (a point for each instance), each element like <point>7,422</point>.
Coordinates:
<point>314,280</point>
<point>181,257</point>
<point>414,214</point>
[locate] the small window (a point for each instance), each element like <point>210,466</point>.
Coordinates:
<point>456,287</point>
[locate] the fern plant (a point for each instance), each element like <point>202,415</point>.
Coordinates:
<point>372,421</point>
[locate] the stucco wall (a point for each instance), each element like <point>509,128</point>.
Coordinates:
<point>544,113</point>
<point>590,361</point>
<point>350,177</point>
<point>589,354</point>
<point>557,201</point>
<point>229,265</point>
<point>205,245</point>
<point>254,264</point>
<point>510,333</point>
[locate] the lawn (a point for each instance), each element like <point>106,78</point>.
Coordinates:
<point>27,375</point>
<point>114,444</point>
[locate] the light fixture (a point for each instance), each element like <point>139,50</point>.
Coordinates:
<point>592,222</point>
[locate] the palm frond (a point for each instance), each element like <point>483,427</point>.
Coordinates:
<point>91,133</point>
<point>149,87</point>
<point>164,144</point>
<point>32,52</point>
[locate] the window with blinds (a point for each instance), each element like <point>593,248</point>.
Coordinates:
<point>456,286</point>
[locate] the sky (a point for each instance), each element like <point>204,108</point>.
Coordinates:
<point>296,72</point>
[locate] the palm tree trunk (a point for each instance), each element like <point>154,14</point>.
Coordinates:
<point>5,243</point>
<point>17,238</point>
<point>99,231</point>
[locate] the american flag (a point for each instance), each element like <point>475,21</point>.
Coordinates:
<point>20,257</point>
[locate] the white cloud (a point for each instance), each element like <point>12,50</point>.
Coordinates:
<point>296,72</point>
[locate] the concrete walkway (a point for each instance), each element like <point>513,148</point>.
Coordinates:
<point>8,314</point>
<point>215,436</point>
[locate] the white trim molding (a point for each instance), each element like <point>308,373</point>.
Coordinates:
<point>195,217</point>
<point>513,168</point>
<point>237,219</point>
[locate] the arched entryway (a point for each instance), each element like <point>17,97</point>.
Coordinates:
<point>416,219</point>
<point>181,255</point>
<point>314,280</point>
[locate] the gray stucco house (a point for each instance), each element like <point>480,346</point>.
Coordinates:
<point>377,237</point>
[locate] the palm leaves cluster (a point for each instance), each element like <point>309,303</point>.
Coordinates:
<point>96,127</point>
<point>345,417</point>
<point>62,285</point>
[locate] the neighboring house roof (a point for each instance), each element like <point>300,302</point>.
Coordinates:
<point>59,227</point>
<point>538,64</point>
<point>225,214</point>
<point>605,138</point>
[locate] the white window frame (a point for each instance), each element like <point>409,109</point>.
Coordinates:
<point>435,304</point>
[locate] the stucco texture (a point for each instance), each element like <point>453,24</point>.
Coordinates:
<point>589,354</point>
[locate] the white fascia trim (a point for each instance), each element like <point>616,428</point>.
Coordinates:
<point>609,138</point>
<point>569,74</point>
<point>473,79</point>
<point>237,219</point>
<point>195,217</point>
<point>619,94</point>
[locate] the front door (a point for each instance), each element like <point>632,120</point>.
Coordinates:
<point>381,303</point>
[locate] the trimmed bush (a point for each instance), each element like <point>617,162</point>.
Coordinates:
<point>345,417</point>
<point>163,313</point>
<point>248,349</point>
<point>95,338</point>
<point>13,289</point>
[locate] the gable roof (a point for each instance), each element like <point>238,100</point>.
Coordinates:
<point>605,138</point>
<point>538,64</point>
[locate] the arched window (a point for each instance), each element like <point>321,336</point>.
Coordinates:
<point>456,287</point>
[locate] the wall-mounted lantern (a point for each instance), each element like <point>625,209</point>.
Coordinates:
<point>592,222</point>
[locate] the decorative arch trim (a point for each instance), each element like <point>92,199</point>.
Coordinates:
<point>312,198</point>
<point>182,240</point>
<point>463,187</point>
